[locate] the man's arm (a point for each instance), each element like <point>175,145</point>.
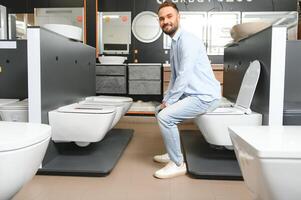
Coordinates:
<point>188,57</point>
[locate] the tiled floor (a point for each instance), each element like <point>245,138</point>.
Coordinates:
<point>133,178</point>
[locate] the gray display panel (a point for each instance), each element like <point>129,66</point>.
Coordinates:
<point>292,94</point>
<point>237,59</point>
<point>13,69</point>
<point>67,70</point>
<point>259,46</point>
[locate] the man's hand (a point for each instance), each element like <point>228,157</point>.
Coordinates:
<point>163,105</point>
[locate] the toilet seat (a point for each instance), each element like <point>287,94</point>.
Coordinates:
<point>17,105</point>
<point>124,102</point>
<point>245,94</point>
<point>16,135</point>
<point>92,103</point>
<point>280,142</point>
<point>227,111</point>
<point>88,109</point>
<point>7,101</point>
<point>109,99</point>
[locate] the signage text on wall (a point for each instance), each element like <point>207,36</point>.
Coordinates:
<point>203,1</point>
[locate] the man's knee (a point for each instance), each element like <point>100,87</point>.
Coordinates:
<point>163,117</point>
<point>160,116</point>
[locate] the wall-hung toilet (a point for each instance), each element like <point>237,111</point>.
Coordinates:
<point>214,125</point>
<point>22,149</point>
<point>112,100</point>
<point>270,160</point>
<point>6,101</point>
<point>81,124</point>
<point>16,111</point>
<point>119,109</point>
<point>122,104</point>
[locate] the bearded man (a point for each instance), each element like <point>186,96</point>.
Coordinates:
<point>192,91</point>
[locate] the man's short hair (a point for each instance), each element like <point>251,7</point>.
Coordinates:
<point>168,4</point>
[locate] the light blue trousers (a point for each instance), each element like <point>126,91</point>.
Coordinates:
<point>168,118</point>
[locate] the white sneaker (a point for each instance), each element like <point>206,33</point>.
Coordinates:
<point>171,170</point>
<point>164,158</point>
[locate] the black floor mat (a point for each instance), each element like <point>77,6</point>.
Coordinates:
<point>97,159</point>
<point>203,161</point>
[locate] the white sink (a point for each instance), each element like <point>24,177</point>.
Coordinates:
<point>112,59</point>
<point>244,30</point>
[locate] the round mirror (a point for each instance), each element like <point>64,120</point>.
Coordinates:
<point>146,27</point>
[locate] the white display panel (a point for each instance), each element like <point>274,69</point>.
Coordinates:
<point>219,26</point>
<point>67,16</point>
<point>288,19</point>
<point>193,22</point>
<point>115,31</point>
<point>3,23</point>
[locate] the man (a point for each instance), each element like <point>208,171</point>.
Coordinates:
<point>193,89</point>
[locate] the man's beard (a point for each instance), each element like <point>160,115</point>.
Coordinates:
<point>171,31</point>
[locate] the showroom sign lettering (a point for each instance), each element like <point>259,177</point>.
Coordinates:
<point>203,1</point>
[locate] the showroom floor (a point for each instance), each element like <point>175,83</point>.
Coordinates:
<point>132,178</point>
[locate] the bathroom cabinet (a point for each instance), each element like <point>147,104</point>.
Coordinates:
<point>218,70</point>
<point>145,79</point>
<point>111,79</point>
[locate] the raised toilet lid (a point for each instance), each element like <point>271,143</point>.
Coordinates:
<point>88,109</point>
<point>7,101</point>
<point>103,98</point>
<point>18,105</point>
<point>270,142</point>
<point>248,85</point>
<point>17,135</point>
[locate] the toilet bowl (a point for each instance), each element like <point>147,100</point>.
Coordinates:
<point>16,111</point>
<point>6,101</point>
<point>81,124</point>
<point>112,100</point>
<point>119,109</point>
<point>270,160</point>
<point>214,125</point>
<point>22,149</point>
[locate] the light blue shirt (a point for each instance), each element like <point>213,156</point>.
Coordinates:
<point>191,71</point>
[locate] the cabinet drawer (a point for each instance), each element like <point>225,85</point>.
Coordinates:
<point>145,87</point>
<point>145,72</point>
<point>111,84</point>
<point>110,70</point>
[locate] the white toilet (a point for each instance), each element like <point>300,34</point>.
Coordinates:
<point>118,106</point>
<point>22,149</point>
<point>81,124</point>
<point>112,100</point>
<point>214,125</point>
<point>16,111</point>
<point>270,160</point>
<point>6,101</point>
<point>122,104</point>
